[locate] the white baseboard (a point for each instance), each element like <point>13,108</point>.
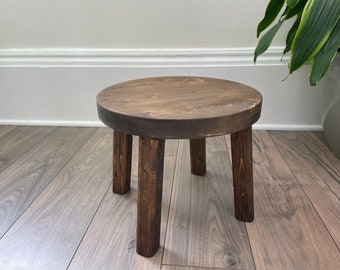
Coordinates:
<point>58,87</point>
<point>100,124</point>
<point>63,123</point>
<point>138,57</point>
<point>288,127</point>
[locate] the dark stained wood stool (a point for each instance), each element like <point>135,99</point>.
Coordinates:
<point>192,108</point>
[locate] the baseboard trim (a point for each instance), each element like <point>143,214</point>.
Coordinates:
<point>100,124</point>
<point>51,86</point>
<point>288,127</point>
<point>51,123</point>
<point>215,57</point>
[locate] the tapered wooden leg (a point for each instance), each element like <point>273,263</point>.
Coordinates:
<point>242,163</point>
<point>197,156</point>
<point>122,151</point>
<point>149,202</point>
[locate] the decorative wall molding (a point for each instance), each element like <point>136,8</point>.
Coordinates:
<point>98,123</point>
<point>138,57</point>
<point>59,86</point>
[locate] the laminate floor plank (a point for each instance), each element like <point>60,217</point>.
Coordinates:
<point>202,229</point>
<point>20,140</point>
<point>174,267</point>
<point>58,183</point>
<point>48,233</point>
<point>318,172</point>
<point>5,129</point>
<point>110,241</point>
<point>321,136</point>
<point>22,182</point>
<point>287,232</point>
<point>319,139</point>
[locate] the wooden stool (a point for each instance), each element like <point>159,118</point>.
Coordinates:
<point>192,108</point>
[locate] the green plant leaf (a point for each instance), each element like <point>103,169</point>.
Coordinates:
<point>291,34</point>
<point>272,10</point>
<point>318,19</point>
<point>291,3</point>
<point>296,10</point>
<point>266,40</point>
<point>322,61</point>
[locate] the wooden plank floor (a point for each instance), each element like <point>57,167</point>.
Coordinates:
<point>57,210</point>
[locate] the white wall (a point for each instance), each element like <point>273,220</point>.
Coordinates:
<point>129,23</point>
<point>56,55</point>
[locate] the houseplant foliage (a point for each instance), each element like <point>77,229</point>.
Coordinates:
<point>313,38</point>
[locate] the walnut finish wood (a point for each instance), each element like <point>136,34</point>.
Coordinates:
<point>150,183</point>
<point>122,151</point>
<point>184,107</point>
<point>242,160</point>
<point>197,156</point>
<point>177,107</point>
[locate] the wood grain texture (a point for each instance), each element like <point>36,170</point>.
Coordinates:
<point>22,183</point>
<point>110,241</point>
<point>170,146</point>
<point>292,227</point>
<point>287,232</point>
<point>242,164</point>
<point>50,230</point>
<point>318,172</point>
<point>149,198</point>
<point>5,129</point>
<point>17,142</point>
<point>198,156</point>
<point>184,107</point>
<point>174,267</point>
<point>320,141</point>
<point>202,229</point>
<point>121,167</point>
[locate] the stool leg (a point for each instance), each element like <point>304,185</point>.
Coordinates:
<point>122,151</point>
<point>242,163</point>
<point>197,156</point>
<point>149,202</point>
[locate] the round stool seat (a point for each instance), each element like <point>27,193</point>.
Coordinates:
<point>179,107</point>
<point>191,108</point>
